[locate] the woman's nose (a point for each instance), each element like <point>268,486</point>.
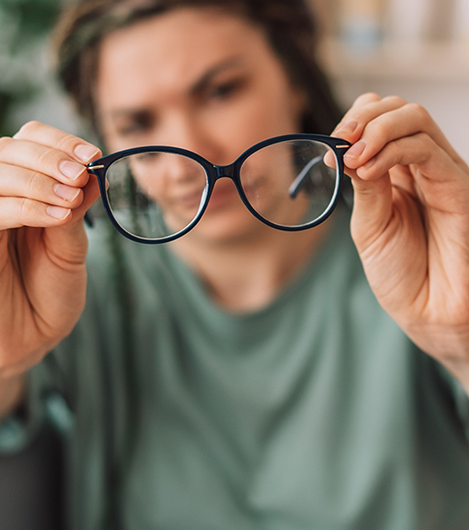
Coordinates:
<point>182,170</point>
<point>188,134</point>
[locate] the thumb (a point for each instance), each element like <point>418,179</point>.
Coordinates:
<point>372,208</point>
<point>71,237</point>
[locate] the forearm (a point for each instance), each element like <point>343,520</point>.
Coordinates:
<point>11,394</point>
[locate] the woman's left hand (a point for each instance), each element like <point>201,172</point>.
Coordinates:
<point>410,223</point>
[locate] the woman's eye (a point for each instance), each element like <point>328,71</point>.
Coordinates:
<point>135,126</point>
<point>129,129</point>
<point>225,90</point>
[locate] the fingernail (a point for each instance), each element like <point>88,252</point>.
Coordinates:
<point>71,170</point>
<point>356,150</point>
<point>85,152</point>
<point>57,212</point>
<point>66,192</point>
<point>348,127</point>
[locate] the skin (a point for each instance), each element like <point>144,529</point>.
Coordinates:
<point>221,90</point>
<point>411,217</point>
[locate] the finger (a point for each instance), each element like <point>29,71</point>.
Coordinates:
<point>392,161</point>
<point>407,120</point>
<point>439,182</point>
<point>63,230</point>
<point>413,149</point>
<point>361,101</point>
<point>392,165</point>
<point>365,99</point>
<point>395,124</point>
<point>91,193</point>
<point>23,183</point>
<point>365,109</point>
<point>17,212</point>
<point>372,209</point>
<point>67,235</point>
<point>48,136</point>
<point>42,159</point>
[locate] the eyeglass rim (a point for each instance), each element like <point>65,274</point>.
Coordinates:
<point>100,166</point>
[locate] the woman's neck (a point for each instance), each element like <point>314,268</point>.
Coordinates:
<point>248,274</point>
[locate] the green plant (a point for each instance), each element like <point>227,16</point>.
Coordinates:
<point>24,25</point>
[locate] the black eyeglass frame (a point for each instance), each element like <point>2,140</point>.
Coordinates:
<point>214,172</point>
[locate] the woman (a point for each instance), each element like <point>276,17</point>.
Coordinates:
<point>242,376</point>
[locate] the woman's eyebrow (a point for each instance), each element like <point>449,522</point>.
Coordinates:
<point>194,89</point>
<point>139,114</point>
<point>207,76</point>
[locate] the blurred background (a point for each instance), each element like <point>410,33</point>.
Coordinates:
<point>418,49</point>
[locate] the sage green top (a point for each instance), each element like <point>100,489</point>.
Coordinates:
<point>315,412</point>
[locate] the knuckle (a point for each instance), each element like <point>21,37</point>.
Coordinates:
<point>45,159</point>
<point>395,101</point>
<point>423,138</point>
<point>67,143</point>
<point>26,208</point>
<point>5,141</point>
<point>28,128</point>
<point>365,99</point>
<point>419,111</point>
<point>380,129</point>
<point>394,151</point>
<point>34,184</point>
<point>369,96</point>
<point>426,146</point>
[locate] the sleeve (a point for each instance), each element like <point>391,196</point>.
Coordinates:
<point>462,405</point>
<point>45,403</point>
<point>460,398</point>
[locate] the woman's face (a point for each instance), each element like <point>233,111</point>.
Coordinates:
<point>203,80</point>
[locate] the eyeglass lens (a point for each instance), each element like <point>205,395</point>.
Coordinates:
<point>157,194</point>
<point>288,183</point>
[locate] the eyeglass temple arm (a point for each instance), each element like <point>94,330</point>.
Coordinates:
<point>295,186</point>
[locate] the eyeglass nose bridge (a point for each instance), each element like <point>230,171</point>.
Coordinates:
<point>224,171</point>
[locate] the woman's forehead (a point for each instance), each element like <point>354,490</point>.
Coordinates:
<point>186,39</point>
<point>174,50</point>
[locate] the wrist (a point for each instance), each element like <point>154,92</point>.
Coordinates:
<point>450,347</point>
<point>459,370</point>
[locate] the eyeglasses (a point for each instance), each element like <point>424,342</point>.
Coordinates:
<point>156,194</point>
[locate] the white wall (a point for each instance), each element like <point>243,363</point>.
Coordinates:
<point>436,77</point>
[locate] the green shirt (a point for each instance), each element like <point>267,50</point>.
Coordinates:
<point>315,412</point>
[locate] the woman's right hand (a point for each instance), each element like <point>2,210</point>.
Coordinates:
<point>45,191</point>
